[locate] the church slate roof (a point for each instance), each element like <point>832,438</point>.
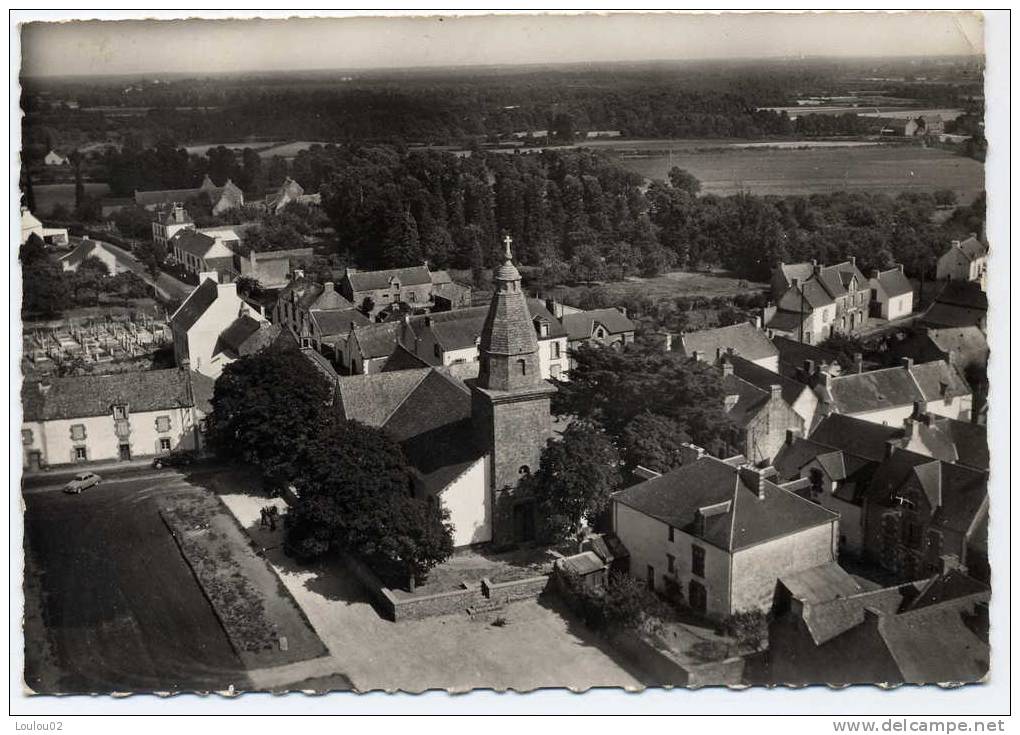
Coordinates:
<point>508,329</point>
<point>83,396</point>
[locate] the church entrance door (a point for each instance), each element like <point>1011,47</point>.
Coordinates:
<point>524,521</point>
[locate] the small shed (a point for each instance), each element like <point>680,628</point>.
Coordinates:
<point>586,567</point>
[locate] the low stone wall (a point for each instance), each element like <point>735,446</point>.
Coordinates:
<point>402,606</point>
<point>659,667</point>
<point>518,589</point>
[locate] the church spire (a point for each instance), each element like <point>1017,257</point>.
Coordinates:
<point>508,348</point>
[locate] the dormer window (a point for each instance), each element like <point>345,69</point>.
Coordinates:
<point>120,412</point>
<point>543,329</point>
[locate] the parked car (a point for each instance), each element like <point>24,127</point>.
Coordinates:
<point>175,459</point>
<point>82,481</point>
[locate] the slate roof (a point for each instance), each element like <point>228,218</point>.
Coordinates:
<point>376,340</point>
<point>857,436</point>
<point>974,248</point>
<point>165,196</point>
<point>200,245</point>
<point>508,329</point>
<point>745,519</point>
<point>746,340</point>
<point>963,293</point>
<point>95,395</point>
<point>333,323</point>
<point>322,297</point>
<point>582,324</point>
<point>202,389</point>
<point>195,305</point>
<point>750,399</point>
<point>246,336</point>
<point>403,359</point>
<point>892,283</point>
<point>969,441</point>
<point>86,249</point>
<point>372,280</point>
<point>821,583</point>
<point>763,378</point>
<point>371,399</point>
<point>880,389</point>
<point>587,562</point>
<point>951,315</point>
<point>922,626</point>
<point>793,353</point>
<point>787,321</point>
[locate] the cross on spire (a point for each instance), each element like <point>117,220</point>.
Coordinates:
<point>508,240</point>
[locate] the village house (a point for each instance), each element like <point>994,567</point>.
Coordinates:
<point>800,361</point>
<point>889,396</point>
<point>892,295</point>
<point>720,532</point>
<point>221,198</point>
<point>274,269</point>
<point>759,411</point>
<point>745,340</point>
<point>93,249</point>
<point>827,628</point>
<point>799,397</point>
<point>416,287</point>
<point>214,326</point>
<point>839,459</point>
<point>469,444</point>
<point>812,301</point>
<point>607,327</point>
<point>91,418</point>
<point>918,509</point>
<point>317,315</point>
<point>30,225</point>
<point>55,159</point>
<point>965,347</point>
<point>168,221</point>
<point>199,252</point>
<point>290,191</point>
<point>965,260</point>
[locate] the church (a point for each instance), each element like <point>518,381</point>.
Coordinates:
<point>470,439</point>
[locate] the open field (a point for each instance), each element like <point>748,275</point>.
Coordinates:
<point>889,169</point>
<point>47,196</point>
<point>670,286</point>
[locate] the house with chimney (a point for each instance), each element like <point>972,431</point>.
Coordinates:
<point>469,443</point>
<point>317,314</point>
<point>90,418</point>
<point>415,288</point>
<point>892,295</point>
<point>274,269</point>
<point>215,326</point>
<point>965,260</point>
<point>812,301</point>
<point>221,198</point>
<point>605,327</point>
<point>721,532</point>
<point>827,627</point>
<point>200,252</point>
<point>87,248</point>
<point>31,225</point>
<point>958,304</point>
<point>889,396</point>
<point>168,221</point>
<point>744,340</point>
<point>289,192</point>
<point>760,407</point>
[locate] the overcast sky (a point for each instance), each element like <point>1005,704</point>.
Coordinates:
<point>126,47</point>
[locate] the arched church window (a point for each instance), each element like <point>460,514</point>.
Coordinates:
<point>522,366</point>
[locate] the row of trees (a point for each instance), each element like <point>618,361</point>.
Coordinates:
<point>273,410</point>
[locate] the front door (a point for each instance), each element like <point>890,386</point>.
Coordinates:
<point>524,521</point>
<point>125,451</point>
<point>698,598</point>
<point>650,577</point>
<point>35,460</point>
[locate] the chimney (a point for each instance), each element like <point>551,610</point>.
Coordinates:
<point>890,449</point>
<point>754,478</point>
<point>950,563</point>
<point>824,379</point>
<point>776,392</point>
<point>858,362</point>
<point>213,276</point>
<point>697,355</point>
<point>853,260</point>
<point>690,453</point>
<point>901,267</point>
<point>328,286</point>
<point>919,410</point>
<point>791,436</point>
<point>815,268</point>
<point>44,386</point>
<point>727,368</point>
<point>907,363</point>
<point>874,273</point>
<point>668,347</point>
<point>795,282</point>
<point>757,322</point>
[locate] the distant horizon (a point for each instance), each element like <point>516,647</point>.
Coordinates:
<point>507,66</point>
<point>194,46</point>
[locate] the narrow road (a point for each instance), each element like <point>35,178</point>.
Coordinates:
<point>166,285</point>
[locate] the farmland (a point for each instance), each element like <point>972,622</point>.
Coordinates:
<point>889,169</point>
<point>47,196</point>
<point>666,286</point>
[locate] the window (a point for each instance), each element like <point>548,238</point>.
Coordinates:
<point>78,432</point>
<point>80,454</point>
<point>162,423</point>
<point>671,539</point>
<point>670,563</point>
<point>697,561</point>
<point>120,412</point>
<point>522,365</point>
<point>556,349</point>
<point>912,535</point>
<point>164,444</point>
<point>436,351</point>
<point>543,329</point>
<point>26,437</point>
<point>413,295</point>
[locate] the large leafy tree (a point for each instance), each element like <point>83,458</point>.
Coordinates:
<point>44,284</point>
<point>266,407</point>
<point>653,441</point>
<point>355,495</point>
<point>612,387</point>
<point>576,475</point>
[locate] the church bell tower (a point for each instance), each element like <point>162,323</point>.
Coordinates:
<point>510,402</point>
